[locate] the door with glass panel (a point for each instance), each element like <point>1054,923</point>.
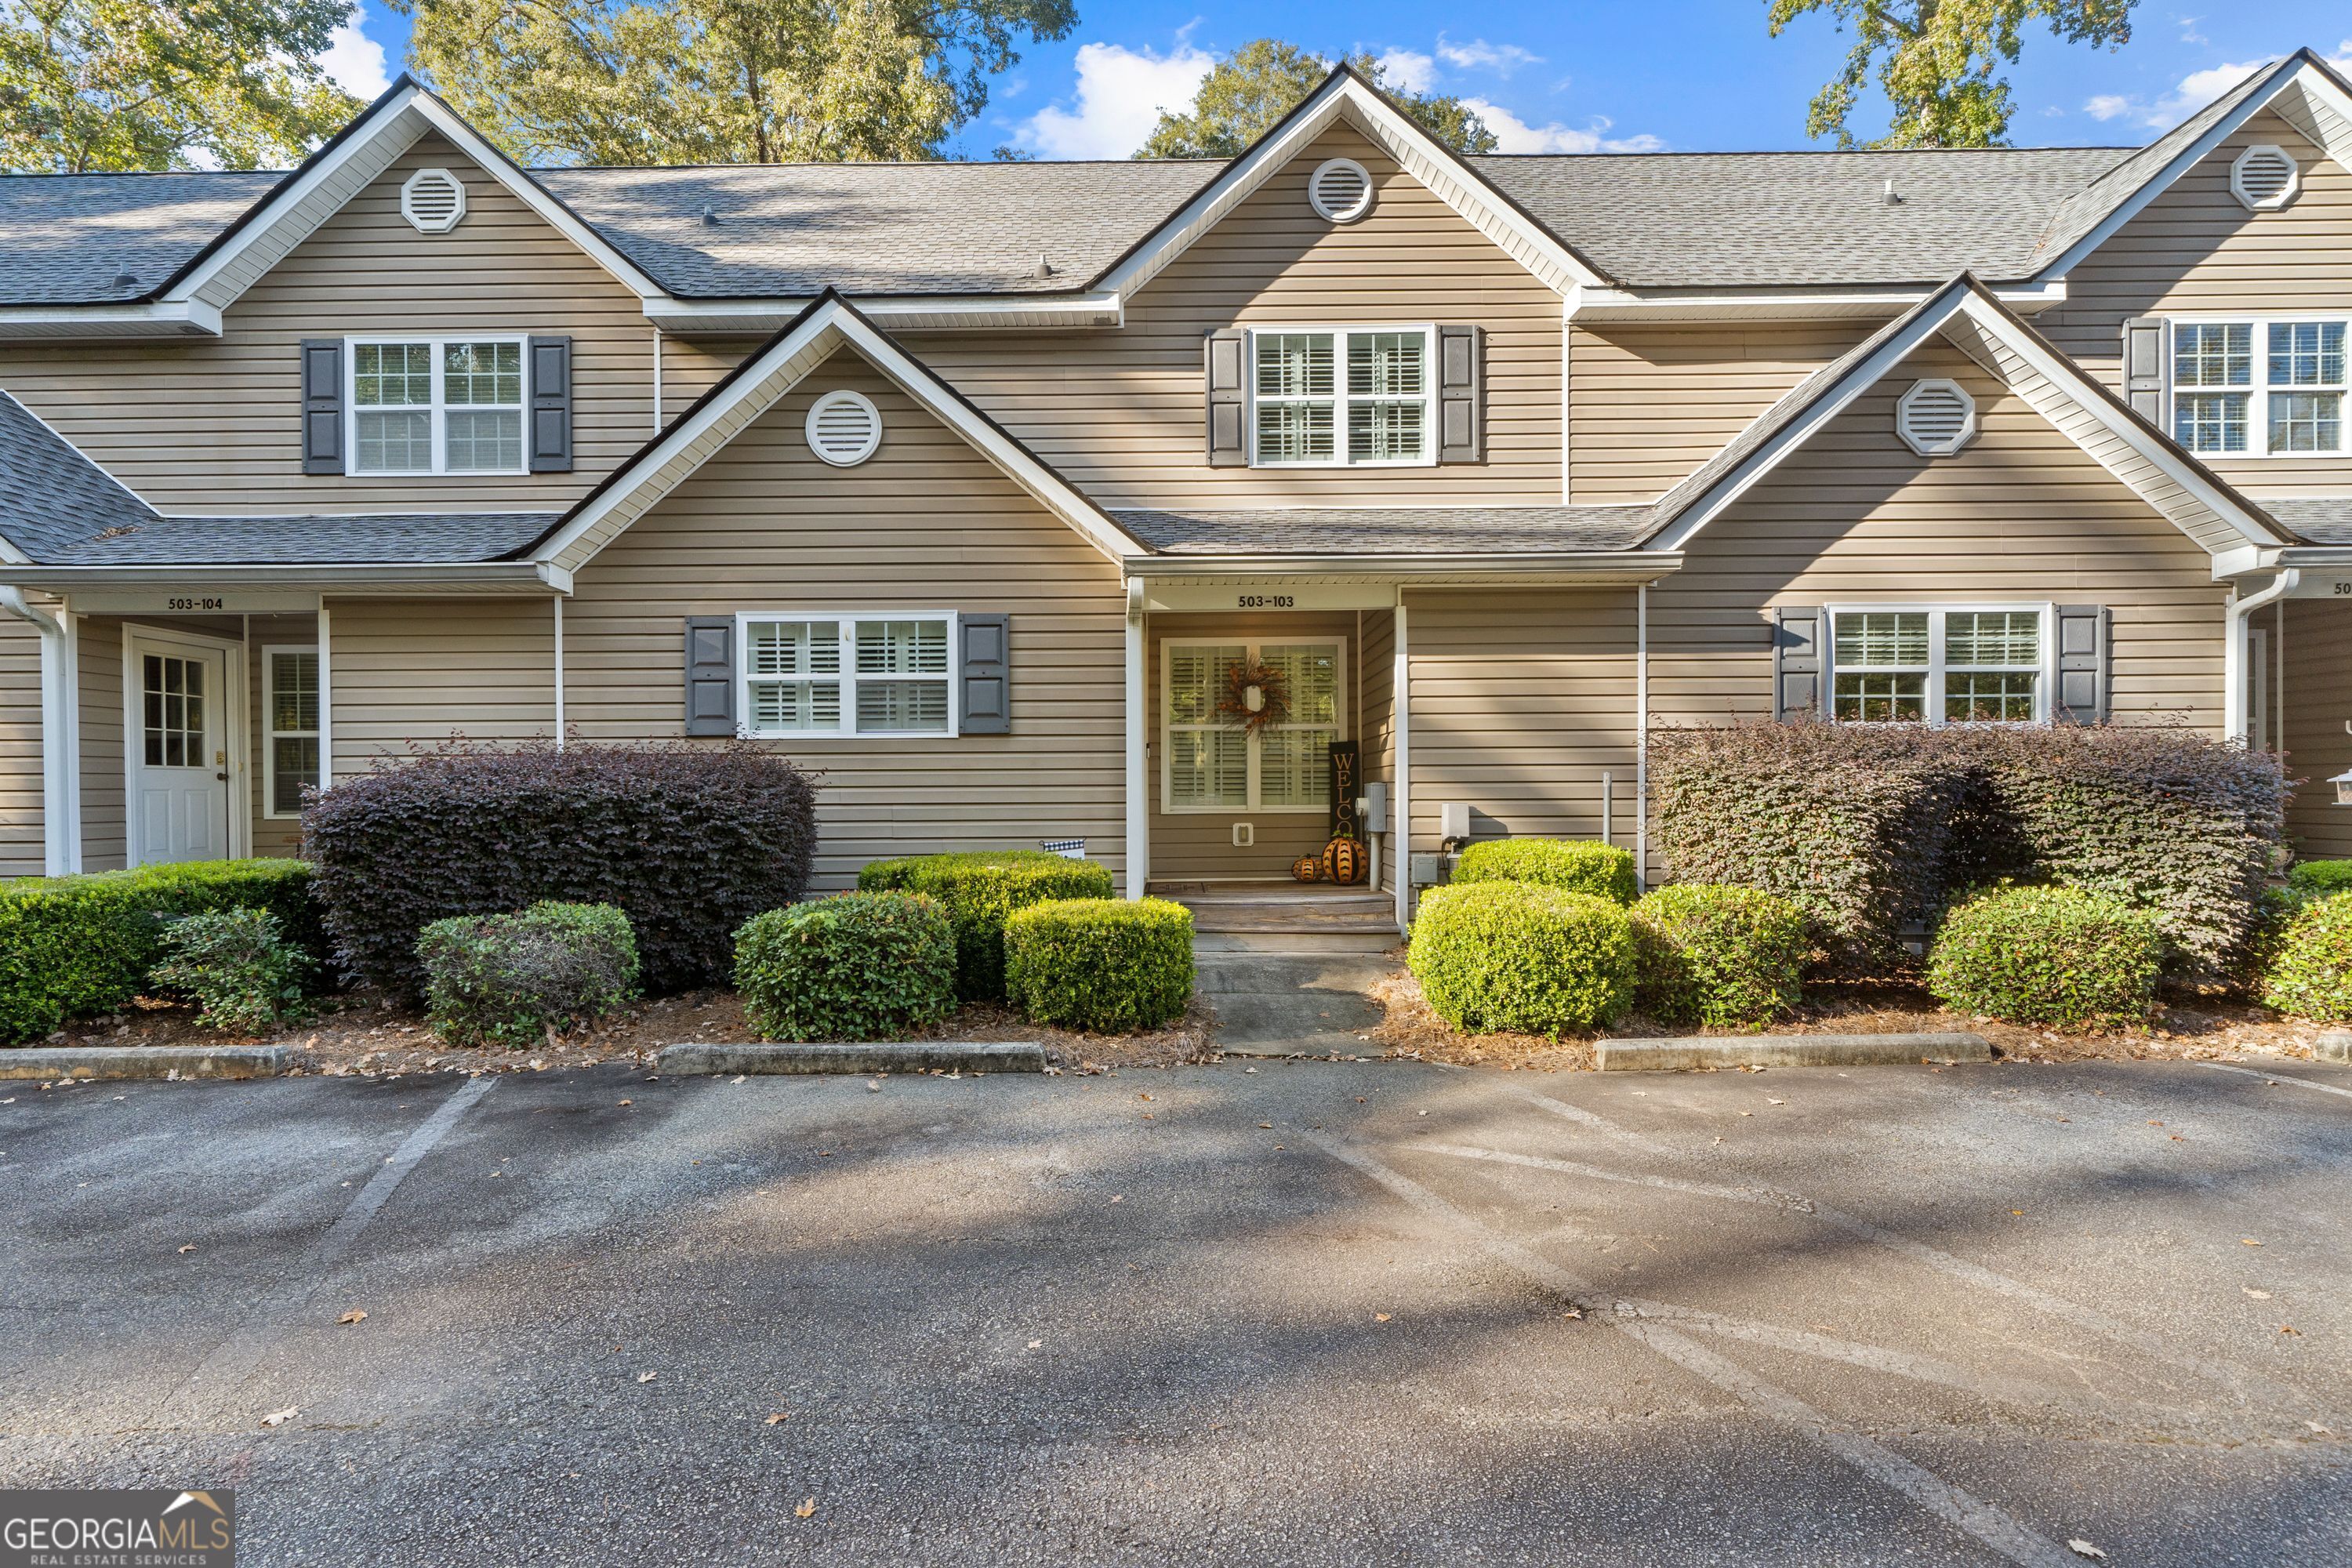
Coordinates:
<point>178,752</point>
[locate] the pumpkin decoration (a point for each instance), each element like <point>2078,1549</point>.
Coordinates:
<point>1256,695</point>
<point>1307,868</point>
<point>1343,861</point>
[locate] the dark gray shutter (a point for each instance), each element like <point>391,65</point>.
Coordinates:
<point>710,675</point>
<point>2081,665</point>
<point>2144,367</point>
<point>985,674</point>
<point>1797,641</point>
<point>550,405</point>
<point>1227,354</point>
<point>1461,394</point>
<point>322,405</point>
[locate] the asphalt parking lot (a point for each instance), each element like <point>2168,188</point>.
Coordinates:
<point>1315,1312</point>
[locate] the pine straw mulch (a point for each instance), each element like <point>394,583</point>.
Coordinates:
<point>2187,1027</point>
<point>356,1034</point>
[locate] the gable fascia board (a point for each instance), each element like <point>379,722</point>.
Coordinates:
<point>700,434</point>
<point>1829,303</point>
<point>316,191</point>
<point>910,312</point>
<point>2307,73</point>
<point>1461,187</point>
<point>175,319</point>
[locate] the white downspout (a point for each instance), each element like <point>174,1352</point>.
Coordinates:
<point>1139,777</point>
<point>60,816</point>
<point>1642,737</point>
<point>559,672</point>
<point>1400,794</point>
<point>326,702</point>
<point>2235,717</point>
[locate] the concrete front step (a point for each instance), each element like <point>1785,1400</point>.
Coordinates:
<point>1276,907</point>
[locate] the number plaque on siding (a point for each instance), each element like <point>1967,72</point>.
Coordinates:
<point>187,601</point>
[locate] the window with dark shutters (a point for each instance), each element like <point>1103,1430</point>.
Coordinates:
<point>1225,353</point>
<point>1797,663</point>
<point>710,675</point>
<point>550,405</point>
<point>985,674</point>
<point>2082,638</point>
<point>1461,394</point>
<point>322,405</point>
<point>2144,367</point>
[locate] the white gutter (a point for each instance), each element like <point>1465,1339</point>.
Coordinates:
<point>1819,302</point>
<point>429,576</point>
<point>1594,564</point>
<point>60,752</point>
<point>2234,718</point>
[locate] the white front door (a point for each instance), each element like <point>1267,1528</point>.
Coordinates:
<point>179,759</point>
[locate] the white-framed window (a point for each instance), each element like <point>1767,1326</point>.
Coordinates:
<point>2260,386</point>
<point>1342,397</point>
<point>289,716</point>
<point>863,672</point>
<point>435,406</point>
<point>1208,761</point>
<point>1936,664</point>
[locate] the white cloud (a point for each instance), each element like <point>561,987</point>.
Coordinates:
<point>1120,94</point>
<point>1480,55</point>
<point>356,62</point>
<point>2197,90</point>
<point>1513,134</point>
<point>1408,70</point>
<point>2108,106</point>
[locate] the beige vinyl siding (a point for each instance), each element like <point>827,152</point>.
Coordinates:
<point>692,366</point>
<point>1520,700</point>
<point>22,851</point>
<point>2318,701</point>
<point>1188,845</point>
<point>1650,404</point>
<point>1119,411</point>
<point>104,838</point>
<point>2020,515</point>
<point>410,672</point>
<point>927,523</point>
<point>2196,249</point>
<point>215,424</point>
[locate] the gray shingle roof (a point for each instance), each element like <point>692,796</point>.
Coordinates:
<point>1399,530</point>
<point>65,238</point>
<point>387,539</point>
<point>878,229</point>
<point>52,497</point>
<point>2322,520</point>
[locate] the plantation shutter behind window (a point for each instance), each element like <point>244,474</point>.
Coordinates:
<point>1461,394</point>
<point>986,674</point>
<point>2144,367</point>
<point>2082,636</point>
<point>710,675</point>
<point>550,405</point>
<point>322,405</point>
<point>1226,352</point>
<point>1797,639</point>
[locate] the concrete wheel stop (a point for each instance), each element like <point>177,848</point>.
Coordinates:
<point>1688,1053</point>
<point>863,1056</point>
<point>110,1062</point>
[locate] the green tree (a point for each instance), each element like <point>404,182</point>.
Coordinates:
<point>717,81</point>
<point>95,85</point>
<point>1936,60</point>
<point>1247,91</point>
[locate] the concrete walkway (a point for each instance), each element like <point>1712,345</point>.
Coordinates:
<point>1288,994</point>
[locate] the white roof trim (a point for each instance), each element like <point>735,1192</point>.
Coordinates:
<point>768,313</point>
<point>1419,154</point>
<point>1793,302</point>
<point>694,439</point>
<point>392,125</point>
<point>2318,97</point>
<point>2059,371</point>
<point>179,319</point>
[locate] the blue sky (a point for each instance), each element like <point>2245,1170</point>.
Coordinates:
<point>1624,75</point>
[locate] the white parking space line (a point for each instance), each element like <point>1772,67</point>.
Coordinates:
<point>1980,1520</point>
<point>233,1360</point>
<point>2282,1078</point>
<point>2237,1380</point>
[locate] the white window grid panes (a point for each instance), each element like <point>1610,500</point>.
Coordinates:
<point>290,696</point>
<point>1210,763</point>
<point>436,405</point>
<point>2260,386</point>
<point>872,673</point>
<point>1342,397</point>
<point>1938,664</point>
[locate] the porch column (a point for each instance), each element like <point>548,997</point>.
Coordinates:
<point>325,706</point>
<point>60,733</point>
<point>1401,789</point>
<point>1139,777</point>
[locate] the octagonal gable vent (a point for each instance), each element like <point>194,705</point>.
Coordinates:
<point>2265,178</point>
<point>844,429</point>
<point>433,200</point>
<point>1340,189</point>
<point>1935,418</point>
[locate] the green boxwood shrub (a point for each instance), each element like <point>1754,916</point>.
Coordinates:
<point>1722,956</point>
<point>1578,865</point>
<point>72,946</point>
<point>1522,957</point>
<point>516,980</point>
<point>2320,877</point>
<point>237,964</point>
<point>1112,964</point>
<point>2309,971</point>
<point>856,966</point>
<point>2059,956</point>
<point>979,892</point>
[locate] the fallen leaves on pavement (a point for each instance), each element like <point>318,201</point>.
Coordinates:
<point>807,1507</point>
<point>356,1315</point>
<point>279,1417</point>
